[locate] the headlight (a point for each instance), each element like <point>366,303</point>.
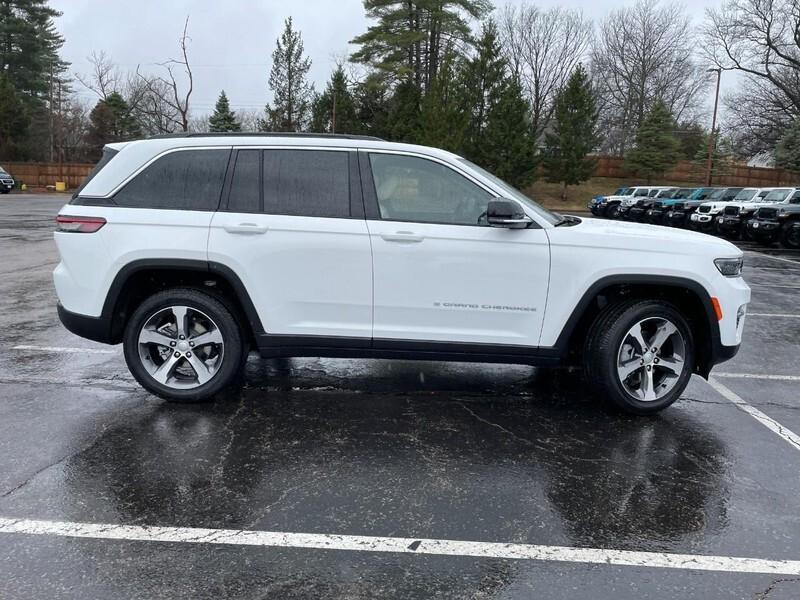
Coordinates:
<point>730,267</point>
<point>782,214</point>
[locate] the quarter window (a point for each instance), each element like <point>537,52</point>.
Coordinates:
<point>182,180</point>
<point>308,183</point>
<point>415,189</point>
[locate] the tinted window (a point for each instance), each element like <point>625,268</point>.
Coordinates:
<point>308,183</point>
<point>641,192</point>
<point>795,199</point>
<point>182,180</point>
<point>245,195</point>
<point>108,154</point>
<point>415,189</point>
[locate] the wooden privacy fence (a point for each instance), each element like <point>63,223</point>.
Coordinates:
<point>46,174</point>
<point>689,172</point>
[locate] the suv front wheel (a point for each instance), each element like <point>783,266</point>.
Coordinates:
<point>183,345</point>
<point>640,355</point>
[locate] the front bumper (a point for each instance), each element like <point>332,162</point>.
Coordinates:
<point>763,229</point>
<point>729,223</point>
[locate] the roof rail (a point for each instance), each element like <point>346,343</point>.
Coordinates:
<point>342,136</point>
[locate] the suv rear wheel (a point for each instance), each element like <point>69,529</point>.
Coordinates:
<point>790,235</point>
<point>640,355</point>
<point>183,345</point>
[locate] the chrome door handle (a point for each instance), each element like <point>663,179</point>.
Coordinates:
<point>246,228</point>
<point>403,236</point>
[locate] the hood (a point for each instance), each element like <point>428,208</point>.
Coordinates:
<point>640,237</point>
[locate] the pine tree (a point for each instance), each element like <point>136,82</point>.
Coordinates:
<point>787,151</point>
<point>288,80</point>
<point>508,140</point>
<point>14,121</point>
<point>722,158</point>
<point>372,98</point>
<point>442,120</point>
<point>334,110</point>
<point>403,118</point>
<point>410,37</point>
<point>656,149</point>
<point>484,78</point>
<point>110,121</point>
<point>223,118</point>
<point>572,136</point>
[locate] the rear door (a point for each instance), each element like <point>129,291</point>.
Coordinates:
<point>292,228</point>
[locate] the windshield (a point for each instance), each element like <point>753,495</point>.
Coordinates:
<point>700,194</point>
<point>745,195</point>
<point>513,193</point>
<point>666,193</point>
<point>778,195</point>
<point>716,194</point>
<point>623,191</point>
<point>3,171</point>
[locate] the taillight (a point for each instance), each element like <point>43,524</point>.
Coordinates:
<point>69,224</point>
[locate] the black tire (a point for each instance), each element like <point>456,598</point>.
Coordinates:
<point>234,345</point>
<point>612,212</point>
<point>790,235</point>
<point>603,346</point>
<point>5,191</point>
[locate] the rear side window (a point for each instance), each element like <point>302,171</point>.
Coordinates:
<point>182,180</point>
<point>307,183</point>
<point>245,195</point>
<point>108,154</point>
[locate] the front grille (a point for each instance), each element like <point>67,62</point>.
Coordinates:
<point>731,211</point>
<point>704,209</point>
<point>767,213</point>
<point>7,181</point>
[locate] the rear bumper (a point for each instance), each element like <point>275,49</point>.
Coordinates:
<point>97,329</point>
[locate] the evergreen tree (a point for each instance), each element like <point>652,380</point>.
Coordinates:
<point>442,120</point>
<point>509,144</point>
<point>110,121</point>
<point>787,151</point>
<point>223,118</point>
<point>656,149</point>
<point>288,80</point>
<point>410,37</point>
<point>14,121</point>
<point>572,135</point>
<point>334,110</point>
<point>403,118</point>
<point>372,105</point>
<point>484,78</point>
<point>722,158</point>
<point>29,47</point>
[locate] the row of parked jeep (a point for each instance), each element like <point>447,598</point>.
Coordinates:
<point>765,215</point>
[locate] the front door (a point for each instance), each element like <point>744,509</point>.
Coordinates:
<point>440,272</point>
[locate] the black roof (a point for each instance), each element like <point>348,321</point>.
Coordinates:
<point>342,136</point>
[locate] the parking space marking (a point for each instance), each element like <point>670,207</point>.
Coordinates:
<point>781,315</point>
<point>361,543</point>
<point>756,253</point>
<point>787,434</point>
<point>758,376</point>
<point>62,349</point>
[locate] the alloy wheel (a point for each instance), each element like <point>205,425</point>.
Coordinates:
<point>651,358</point>
<point>181,347</point>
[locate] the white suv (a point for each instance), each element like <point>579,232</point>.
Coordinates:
<point>191,250</point>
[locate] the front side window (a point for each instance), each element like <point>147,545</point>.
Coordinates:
<point>306,183</point>
<point>795,199</point>
<point>641,192</point>
<point>181,180</point>
<point>419,190</point>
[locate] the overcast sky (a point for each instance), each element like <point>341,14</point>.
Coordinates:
<point>232,41</point>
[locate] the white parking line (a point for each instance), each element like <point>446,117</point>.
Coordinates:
<point>780,258</point>
<point>362,543</point>
<point>62,349</point>
<point>787,434</point>
<point>758,376</point>
<point>781,315</point>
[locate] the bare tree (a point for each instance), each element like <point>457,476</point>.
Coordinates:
<point>644,54</point>
<point>760,38</point>
<point>167,88</point>
<point>756,115</point>
<point>543,47</point>
<point>105,77</point>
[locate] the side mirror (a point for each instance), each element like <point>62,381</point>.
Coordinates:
<point>507,213</point>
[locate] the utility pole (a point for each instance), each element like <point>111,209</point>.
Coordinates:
<point>712,137</point>
<point>333,119</point>
<point>50,110</point>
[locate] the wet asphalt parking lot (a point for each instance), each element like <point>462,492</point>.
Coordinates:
<point>556,498</point>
